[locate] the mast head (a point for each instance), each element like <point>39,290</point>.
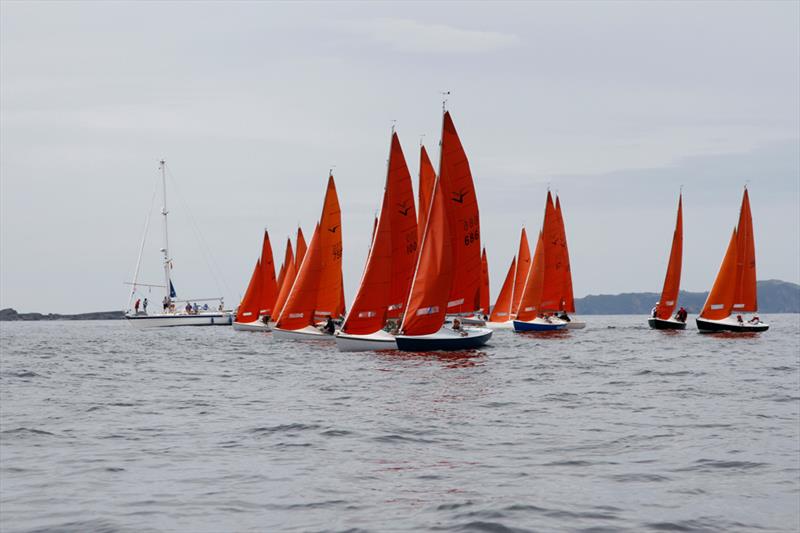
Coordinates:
<point>444,94</point>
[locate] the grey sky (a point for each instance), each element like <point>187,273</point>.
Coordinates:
<point>614,104</point>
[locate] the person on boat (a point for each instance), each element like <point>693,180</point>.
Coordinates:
<point>136,306</point>
<point>265,319</point>
<point>456,324</point>
<point>681,315</point>
<point>564,316</point>
<point>221,306</point>
<point>754,320</point>
<point>144,304</point>
<point>205,307</point>
<point>166,302</point>
<point>654,311</point>
<point>188,308</point>
<point>329,327</point>
<point>195,308</point>
<point>739,320</point>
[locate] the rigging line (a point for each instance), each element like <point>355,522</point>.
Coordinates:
<point>144,240</point>
<point>204,248</point>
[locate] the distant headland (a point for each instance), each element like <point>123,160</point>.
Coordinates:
<point>774,296</point>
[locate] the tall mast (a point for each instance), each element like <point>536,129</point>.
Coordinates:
<point>165,249</point>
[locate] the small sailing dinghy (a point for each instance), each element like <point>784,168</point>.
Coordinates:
<point>663,312</point>
<point>734,291</point>
<point>384,287</point>
<point>531,316</point>
<point>173,311</point>
<point>257,306</point>
<point>447,275</point>
<point>317,293</point>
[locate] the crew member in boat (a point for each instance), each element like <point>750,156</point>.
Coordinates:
<point>144,305</point>
<point>166,303</point>
<point>654,311</point>
<point>136,306</point>
<point>188,308</point>
<point>329,327</point>
<point>740,320</point>
<point>456,324</point>
<point>564,316</point>
<point>754,320</point>
<point>681,315</point>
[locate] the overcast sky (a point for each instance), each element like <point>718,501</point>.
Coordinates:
<point>615,105</point>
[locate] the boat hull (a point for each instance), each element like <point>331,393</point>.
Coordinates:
<point>308,333</point>
<point>170,320</point>
<point>508,324</point>
<point>445,340</point>
<point>379,340</point>
<point>660,323</point>
<point>538,325</point>
<point>729,324</point>
<point>256,325</point>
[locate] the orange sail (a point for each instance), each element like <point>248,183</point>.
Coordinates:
<point>269,285</point>
<point>427,300</point>
<point>484,284</point>
<point>567,298</point>
<point>455,179</point>
<point>672,283</point>
<point>745,298</point>
<point>330,295</point>
<point>523,265</point>
<point>427,177</point>
<point>502,307</point>
<point>248,308</point>
<point>281,275</point>
<point>390,265</point>
<point>300,246</point>
<point>720,300</point>
<point>531,302</point>
<point>288,279</point>
<point>302,300</point>
<point>553,268</point>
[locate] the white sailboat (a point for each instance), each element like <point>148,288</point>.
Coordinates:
<point>174,311</point>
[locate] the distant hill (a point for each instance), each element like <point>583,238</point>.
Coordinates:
<point>11,314</point>
<point>774,296</point>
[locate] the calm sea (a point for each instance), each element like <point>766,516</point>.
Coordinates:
<point>613,428</point>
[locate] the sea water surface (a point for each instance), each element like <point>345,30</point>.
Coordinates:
<point>612,428</point>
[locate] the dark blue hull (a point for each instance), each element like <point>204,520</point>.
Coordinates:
<point>707,326</point>
<point>658,323</point>
<point>432,344</point>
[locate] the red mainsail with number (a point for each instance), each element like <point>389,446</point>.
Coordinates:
<point>672,282</point>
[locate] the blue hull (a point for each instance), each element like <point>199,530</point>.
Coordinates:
<point>520,325</point>
<point>422,344</point>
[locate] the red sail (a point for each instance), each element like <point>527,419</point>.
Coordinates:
<point>290,271</point>
<point>302,300</point>
<point>300,246</point>
<point>531,302</point>
<point>567,299</point>
<point>390,265</point>
<point>330,296</point>
<point>720,300</point>
<point>281,275</point>
<point>672,282</point>
<point>427,301</point>
<point>269,285</point>
<point>427,177</point>
<point>484,284</point>
<point>523,266</point>
<point>745,298</point>
<point>502,307</point>
<point>463,220</point>
<point>553,268</point>
<point>248,308</point>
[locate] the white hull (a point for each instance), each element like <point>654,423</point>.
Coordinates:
<point>508,324</point>
<point>171,320</point>
<point>308,333</point>
<point>256,325</point>
<point>729,324</point>
<point>379,340</point>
